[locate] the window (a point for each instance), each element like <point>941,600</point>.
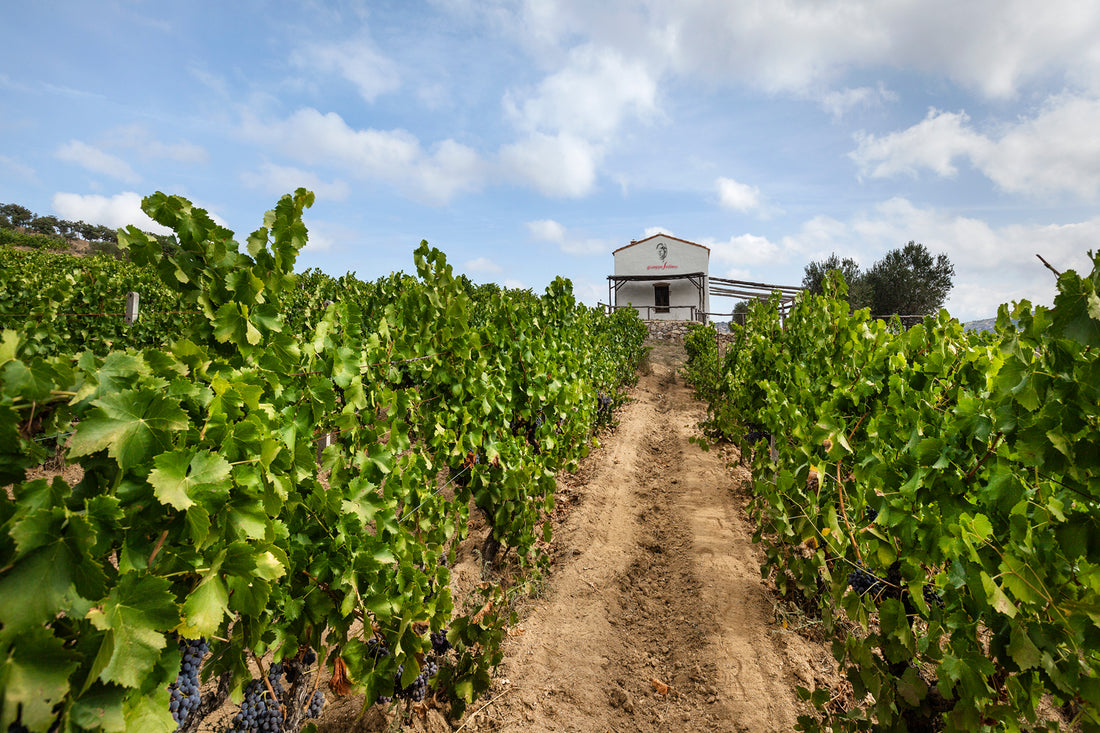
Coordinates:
<point>660,297</point>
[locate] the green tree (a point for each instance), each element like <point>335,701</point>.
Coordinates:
<point>740,311</point>
<point>44,225</point>
<point>909,281</point>
<point>815,274</point>
<point>87,231</point>
<point>18,216</point>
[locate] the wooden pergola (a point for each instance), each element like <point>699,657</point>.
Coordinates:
<point>720,286</point>
<point>746,290</point>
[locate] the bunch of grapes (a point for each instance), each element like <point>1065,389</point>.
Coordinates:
<point>377,650</point>
<point>755,433</point>
<point>259,712</point>
<point>315,704</point>
<point>863,582</point>
<point>183,694</point>
<point>418,688</point>
<point>931,597</point>
<point>603,402</point>
<point>871,514</point>
<point>440,645</point>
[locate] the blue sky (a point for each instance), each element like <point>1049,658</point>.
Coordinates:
<point>530,139</point>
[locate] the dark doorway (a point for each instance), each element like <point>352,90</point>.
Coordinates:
<point>660,297</point>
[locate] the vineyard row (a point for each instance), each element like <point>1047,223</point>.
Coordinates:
<point>203,532</point>
<point>934,495</point>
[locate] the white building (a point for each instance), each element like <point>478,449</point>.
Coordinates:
<point>665,278</point>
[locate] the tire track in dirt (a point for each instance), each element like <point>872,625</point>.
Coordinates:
<point>657,583</point>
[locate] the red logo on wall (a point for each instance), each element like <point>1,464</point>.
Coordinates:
<point>662,255</point>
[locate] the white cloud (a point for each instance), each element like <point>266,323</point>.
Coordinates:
<point>737,196</point>
<point>745,249</point>
<point>482,264</point>
<point>278,179</point>
<point>357,61</point>
<point>589,98</point>
<point>588,292</point>
<point>330,236</point>
<point>19,171</point>
<point>548,230</point>
<point>994,46</point>
<point>138,138</point>
<point>116,211</point>
<point>561,165</point>
<point>1057,150</point>
<point>653,231</point>
<point>392,156</point>
<point>514,284</point>
<point>572,116</point>
<point>96,161</point>
<point>993,264</point>
<point>839,102</point>
<point>933,143</point>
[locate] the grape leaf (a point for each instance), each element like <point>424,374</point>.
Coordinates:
<point>149,713</point>
<point>9,345</point>
<point>34,380</point>
<point>115,373</point>
<point>100,707</point>
<point>37,588</point>
<point>1022,649</point>
<point>132,425</point>
<point>36,676</point>
<point>183,474</point>
<point>231,324</point>
<point>997,597</point>
<point>205,607</point>
<point>135,613</point>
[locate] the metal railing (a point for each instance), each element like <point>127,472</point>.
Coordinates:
<point>646,312</point>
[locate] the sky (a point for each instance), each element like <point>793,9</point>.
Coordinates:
<point>530,139</point>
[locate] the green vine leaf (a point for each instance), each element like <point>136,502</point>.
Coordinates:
<point>135,615</point>
<point>35,674</point>
<point>132,425</point>
<point>182,475</point>
<point>37,588</point>
<point>205,607</point>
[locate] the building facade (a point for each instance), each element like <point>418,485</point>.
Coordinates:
<point>663,277</point>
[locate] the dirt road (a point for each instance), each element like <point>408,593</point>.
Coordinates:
<point>656,583</point>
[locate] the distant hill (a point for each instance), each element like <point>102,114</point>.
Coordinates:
<point>986,324</point>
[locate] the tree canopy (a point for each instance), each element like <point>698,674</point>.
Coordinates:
<point>816,274</point>
<point>907,281</point>
<point>910,281</point>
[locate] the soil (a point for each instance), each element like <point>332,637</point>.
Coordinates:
<point>655,616</point>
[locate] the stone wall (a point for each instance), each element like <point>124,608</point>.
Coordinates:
<point>676,330</point>
<point>665,330</point>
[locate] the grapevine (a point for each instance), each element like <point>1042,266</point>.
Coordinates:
<point>202,513</point>
<point>947,485</point>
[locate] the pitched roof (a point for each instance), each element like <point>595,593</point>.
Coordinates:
<point>658,234</point>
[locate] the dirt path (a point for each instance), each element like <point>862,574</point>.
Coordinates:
<point>657,584</point>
